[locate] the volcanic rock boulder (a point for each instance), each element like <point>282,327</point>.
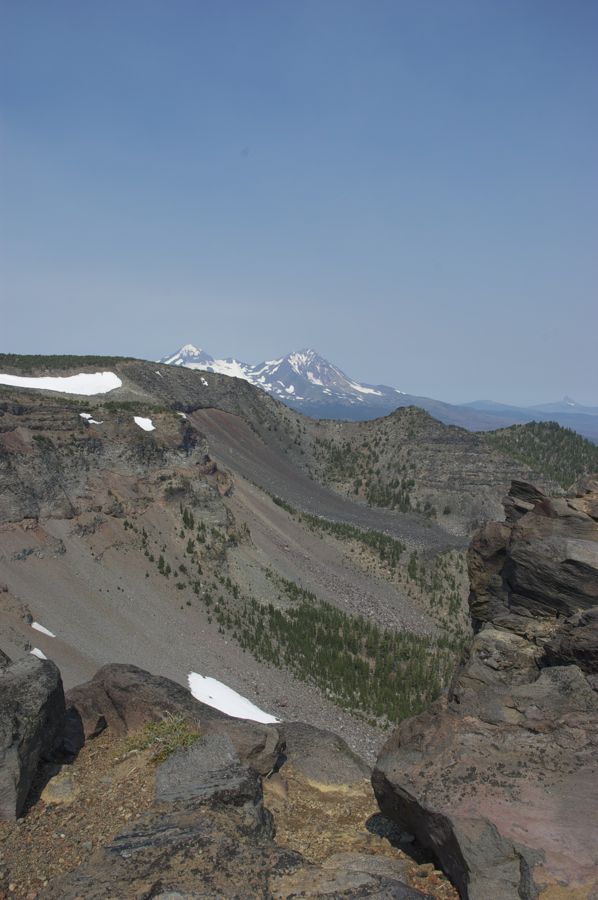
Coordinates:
<point>499,780</point>
<point>321,758</point>
<point>31,727</point>
<point>124,698</point>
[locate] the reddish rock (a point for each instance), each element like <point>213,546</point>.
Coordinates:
<point>499,781</point>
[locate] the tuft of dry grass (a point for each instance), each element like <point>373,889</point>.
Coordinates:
<point>163,738</point>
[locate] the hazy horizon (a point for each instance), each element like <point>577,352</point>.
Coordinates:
<point>407,187</point>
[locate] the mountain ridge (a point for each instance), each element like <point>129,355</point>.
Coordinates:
<point>311,384</point>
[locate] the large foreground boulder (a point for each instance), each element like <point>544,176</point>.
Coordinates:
<point>499,780</point>
<point>31,727</point>
<point>124,698</point>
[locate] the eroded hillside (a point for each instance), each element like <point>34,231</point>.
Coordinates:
<point>315,567</point>
<point>134,545</point>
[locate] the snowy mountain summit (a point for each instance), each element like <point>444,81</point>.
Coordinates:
<point>307,382</point>
<point>303,379</point>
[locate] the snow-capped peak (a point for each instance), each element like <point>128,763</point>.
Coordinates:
<point>190,350</point>
<point>301,377</point>
<point>301,360</point>
<point>189,356</point>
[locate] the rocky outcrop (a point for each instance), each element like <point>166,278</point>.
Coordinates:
<point>196,824</point>
<point>51,458</point>
<point>124,698</point>
<point>498,779</point>
<point>539,566</point>
<point>208,829</point>
<point>31,727</point>
<point>208,833</point>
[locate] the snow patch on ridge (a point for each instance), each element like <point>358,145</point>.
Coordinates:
<point>364,390</point>
<point>217,695</point>
<point>144,423</point>
<point>42,630</point>
<point>85,383</point>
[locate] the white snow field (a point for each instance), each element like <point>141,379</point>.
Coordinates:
<point>146,424</point>
<point>214,693</point>
<point>85,384</point>
<point>42,630</point>
<point>37,652</point>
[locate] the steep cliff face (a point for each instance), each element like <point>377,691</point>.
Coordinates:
<point>53,451</point>
<point>498,779</point>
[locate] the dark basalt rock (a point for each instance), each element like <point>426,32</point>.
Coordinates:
<point>208,770</point>
<point>192,849</point>
<point>320,756</point>
<point>498,780</point>
<point>576,642</point>
<point>31,727</point>
<point>541,567</point>
<point>124,698</point>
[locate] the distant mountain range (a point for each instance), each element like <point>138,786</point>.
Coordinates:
<point>307,382</point>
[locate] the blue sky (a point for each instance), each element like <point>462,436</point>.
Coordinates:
<point>408,187</point>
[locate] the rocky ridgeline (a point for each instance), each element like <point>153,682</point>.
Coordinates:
<point>499,780</point>
<point>407,461</point>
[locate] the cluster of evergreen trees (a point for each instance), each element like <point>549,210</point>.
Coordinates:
<point>381,673</point>
<point>560,453</point>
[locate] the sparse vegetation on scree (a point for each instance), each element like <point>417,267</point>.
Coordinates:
<point>359,467</point>
<point>436,583</point>
<point>557,452</point>
<point>388,549</point>
<point>379,673</point>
